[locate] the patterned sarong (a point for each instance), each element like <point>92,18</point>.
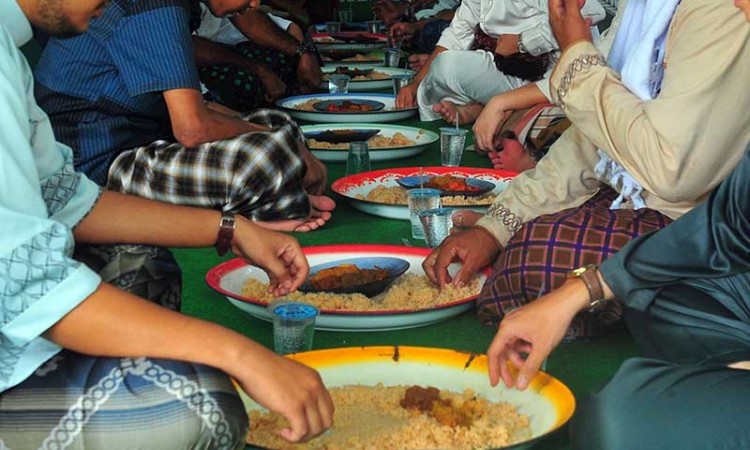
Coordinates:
<point>539,257</point>
<point>258,175</point>
<point>81,402</point>
<point>238,88</point>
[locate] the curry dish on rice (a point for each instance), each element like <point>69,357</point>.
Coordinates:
<point>377,141</point>
<point>403,417</point>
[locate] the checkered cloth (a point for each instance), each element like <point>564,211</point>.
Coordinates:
<point>258,175</point>
<point>539,257</point>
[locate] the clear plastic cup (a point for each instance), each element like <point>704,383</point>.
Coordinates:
<point>338,84</point>
<point>452,141</point>
<point>401,80</point>
<point>358,158</point>
<point>293,326</point>
<point>420,200</point>
<point>393,57</point>
<point>374,26</point>
<point>437,224</point>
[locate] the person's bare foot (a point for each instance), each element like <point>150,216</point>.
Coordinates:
<point>513,157</point>
<point>466,113</point>
<point>321,213</point>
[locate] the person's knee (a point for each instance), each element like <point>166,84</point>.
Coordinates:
<point>445,67</point>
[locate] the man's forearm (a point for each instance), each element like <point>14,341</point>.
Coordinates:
<point>261,30</point>
<point>208,53</point>
<point>120,218</point>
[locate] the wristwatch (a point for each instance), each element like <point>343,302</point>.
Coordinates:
<point>303,48</point>
<point>521,46</point>
<point>226,233</point>
<point>588,274</point>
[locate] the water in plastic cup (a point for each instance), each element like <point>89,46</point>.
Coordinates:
<point>374,26</point>
<point>338,84</point>
<point>333,27</point>
<point>437,224</point>
<point>293,326</point>
<point>452,142</point>
<point>419,200</point>
<point>401,80</point>
<point>393,57</point>
<point>358,159</point>
<point>346,15</point>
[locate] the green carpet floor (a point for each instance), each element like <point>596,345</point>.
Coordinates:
<point>580,365</point>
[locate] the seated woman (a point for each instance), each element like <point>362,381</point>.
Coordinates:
<point>685,295</point>
<point>490,48</point>
<point>85,364</point>
<point>645,147</point>
<point>253,59</point>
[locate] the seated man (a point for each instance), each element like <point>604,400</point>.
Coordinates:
<point>629,164</point>
<point>84,364</point>
<point>685,292</point>
<point>253,59</point>
<point>424,35</point>
<point>490,48</point>
<point>126,96</point>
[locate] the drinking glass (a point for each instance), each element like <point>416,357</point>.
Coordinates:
<point>437,224</point>
<point>452,142</point>
<point>358,159</point>
<point>333,27</point>
<point>293,326</point>
<point>338,84</point>
<point>393,57</point>
<point>401,80</point>
<point>420,200</point>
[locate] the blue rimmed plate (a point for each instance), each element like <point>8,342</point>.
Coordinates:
<point>420,137</point>
<point>395,267</point>
<point>293,106</point>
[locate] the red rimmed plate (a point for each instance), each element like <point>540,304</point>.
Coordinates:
<point>362,183</point>
<point>229,277</point>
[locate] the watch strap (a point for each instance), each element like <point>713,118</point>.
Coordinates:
<point>226,233</point>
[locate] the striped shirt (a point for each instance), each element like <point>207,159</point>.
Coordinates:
<point>103,90</point>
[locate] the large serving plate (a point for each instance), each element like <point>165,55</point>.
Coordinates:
<point>387,114</point>
<point>363,42</point>
<point>366,85</point>
<point>423,139</point>
<point>229,277</point>
<point>362,183</point>
<point>547,402</point>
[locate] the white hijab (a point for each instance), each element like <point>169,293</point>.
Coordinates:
<point>637,54</point>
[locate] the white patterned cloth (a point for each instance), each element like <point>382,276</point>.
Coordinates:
<point>41,199</point>
<point>638,54</point>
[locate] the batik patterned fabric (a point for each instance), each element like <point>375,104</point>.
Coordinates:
<point>238,88</point>
<point>258,175</point>
<point>75,401</point>
<point>539,257</point>
<point>81,402</point>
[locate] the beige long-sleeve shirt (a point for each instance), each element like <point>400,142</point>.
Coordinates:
<point>678,146</point>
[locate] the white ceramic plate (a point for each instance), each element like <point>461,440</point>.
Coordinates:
<point>387,114</point>
<point>362,183</point>
<point>547,402</point>
<point>229,277</point>
<point>366,85</point>
<point>422,137</point>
